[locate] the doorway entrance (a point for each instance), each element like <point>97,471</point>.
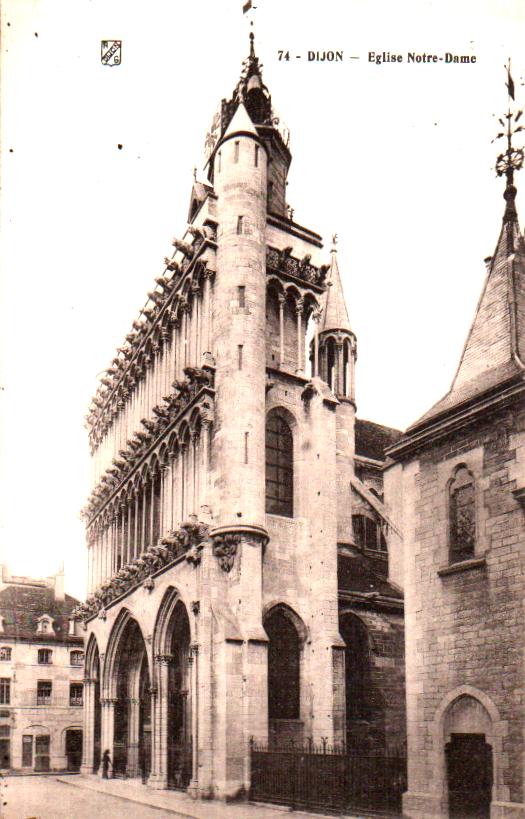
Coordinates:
<point>469,773</point>
<point>42,750</point>
<point>74,749</point>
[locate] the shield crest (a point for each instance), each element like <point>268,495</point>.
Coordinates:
<point>111,52</point>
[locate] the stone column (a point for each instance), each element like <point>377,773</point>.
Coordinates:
<point>282,301</point>
<point>206,477</point>
<point>88,732</point>
<point>132,766</point>
<point>193,715</point>
<point>159,746</point>
<point>207,311</point>
<point>317,319</point>
<point>107,730</point>
<point>300,337</point>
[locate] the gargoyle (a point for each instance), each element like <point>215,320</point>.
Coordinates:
<point>196,375</point>
<point>181,387</point>
<point>184,248</point>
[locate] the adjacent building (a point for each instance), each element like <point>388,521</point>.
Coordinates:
<point>241,589</point>
<point>41,675</point>
<point>456,480</point>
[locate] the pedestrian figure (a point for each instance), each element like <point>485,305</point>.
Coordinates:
<point>106,762</point>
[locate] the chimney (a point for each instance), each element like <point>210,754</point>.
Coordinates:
<point>59,583</point>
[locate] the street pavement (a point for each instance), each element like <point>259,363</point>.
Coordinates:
<point>83,797</point>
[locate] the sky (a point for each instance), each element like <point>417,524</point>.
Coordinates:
<point>396,158</point>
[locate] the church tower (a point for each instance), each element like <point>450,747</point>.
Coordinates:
<point>212,616</point>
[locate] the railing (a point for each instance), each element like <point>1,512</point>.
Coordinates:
<point>328,778</point>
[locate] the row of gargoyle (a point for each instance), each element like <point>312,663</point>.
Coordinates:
<point>189,539</point>
<point>183,393</point>
<point>141,327</point>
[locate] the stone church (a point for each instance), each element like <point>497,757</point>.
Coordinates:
<point>245,576</point>
<point>456,480</point>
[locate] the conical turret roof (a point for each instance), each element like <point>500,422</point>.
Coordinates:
<point>494,352</point>
<point>335,314</point>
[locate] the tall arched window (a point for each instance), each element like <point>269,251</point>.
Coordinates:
<point>279,466</point>
<point>462,515</point>
<point>283,667</point>
<point>330,364</point>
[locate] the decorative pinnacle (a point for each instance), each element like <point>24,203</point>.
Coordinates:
<point>334,243</point>
<point>512,159</point>
<point>252,47</point>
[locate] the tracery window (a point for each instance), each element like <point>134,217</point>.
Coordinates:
<point>279,466</point>
<point>368,534</point>
<point>462,516</point>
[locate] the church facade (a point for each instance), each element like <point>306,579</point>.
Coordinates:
<point>242,586</point>
<point>456,480</point>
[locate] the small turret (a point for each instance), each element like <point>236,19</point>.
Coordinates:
<point>337,342</point>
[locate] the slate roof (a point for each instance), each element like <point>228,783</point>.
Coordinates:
<point>357,574</point>
<point>371,440</point>
<point>22,605</point>
<point>497,332</point>
<point>335,314</point>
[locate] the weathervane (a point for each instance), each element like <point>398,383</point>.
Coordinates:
<point>512,159</point>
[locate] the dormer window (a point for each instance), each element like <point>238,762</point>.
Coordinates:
<point>45,625</point>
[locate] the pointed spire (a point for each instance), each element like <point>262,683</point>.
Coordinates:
<point>335,314</point>
<point>494,352</point>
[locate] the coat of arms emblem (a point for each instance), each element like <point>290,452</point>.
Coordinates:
<point>111,52</point>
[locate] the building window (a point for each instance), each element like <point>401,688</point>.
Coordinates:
<point>368,534</point>
<point>5,691</point>
<point>256,156</point>
<point>5,654</point>
<point>76,658</point>
<point>279,467</point>
<point>462,516</point>
<point>241,291</point>
<point>45,656</point>
<point>75,694</point>
<point>240,224</point>
<point>43,692</point>
<point>236,152</point>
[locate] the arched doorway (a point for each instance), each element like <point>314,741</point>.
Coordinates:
<point>468,755</point>
<point>132,729</point>
<point>179,695</point>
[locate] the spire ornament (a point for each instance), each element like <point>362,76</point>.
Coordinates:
<point>512,159</point>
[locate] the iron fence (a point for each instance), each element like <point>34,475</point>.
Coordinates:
<point>329,778</point>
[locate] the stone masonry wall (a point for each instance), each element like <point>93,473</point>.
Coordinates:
<point>466,628</point>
